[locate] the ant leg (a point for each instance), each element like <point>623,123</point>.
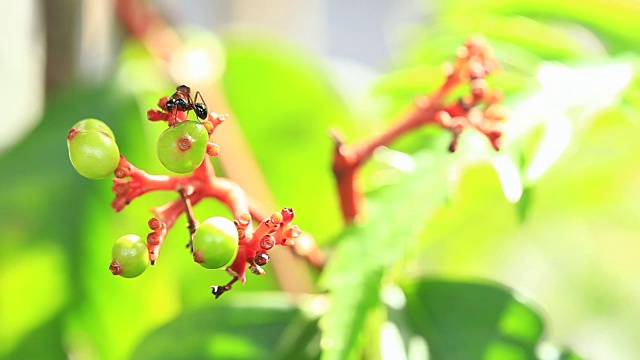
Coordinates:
<point>200,108</point>
<point>198,95</point>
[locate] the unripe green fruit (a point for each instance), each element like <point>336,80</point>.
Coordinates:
<point>92,149</point>
<point>130,256</point>
<point>93,124</point>
<point>181,148</point>
<point>215,243</point>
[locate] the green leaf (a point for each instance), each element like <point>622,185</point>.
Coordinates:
<point>614,22</point>
<point>60,224</point>
<point>285,104</point>
<point>472,320</point>
<point>566,106</point>
<point>250,327</point>
<point>44,342</point>
<point>567,354</point>
<point>42,207</point>
<point>524,205</point>
<point>397,215</point>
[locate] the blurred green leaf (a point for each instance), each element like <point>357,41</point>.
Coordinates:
<point>62,223</point>
<point>285,106</point>
<point>615,22</point>
<point>566,105</point>
<point>567,354</point>
<point>43,204</point>
<point>396,216</point>
<point>45,341</point>
<point>523,206</point>
<point>472,320</point>
<point>250,327</point>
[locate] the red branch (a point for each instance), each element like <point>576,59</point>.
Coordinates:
<point>474,61</point>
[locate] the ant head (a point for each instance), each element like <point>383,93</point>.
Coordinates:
<point>183,89</point>
<point>201,110</point>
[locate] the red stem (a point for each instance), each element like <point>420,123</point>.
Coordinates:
<point>474,61</point>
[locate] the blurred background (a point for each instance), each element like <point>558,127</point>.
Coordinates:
<point>552,216</point>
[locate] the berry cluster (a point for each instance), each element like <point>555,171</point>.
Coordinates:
<point>216,243</point>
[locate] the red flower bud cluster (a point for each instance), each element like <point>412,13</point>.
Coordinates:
<point>480,108</point>
<point>254,246</point>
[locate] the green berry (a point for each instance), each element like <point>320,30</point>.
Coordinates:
<point>181,148</point>
<point>92,149</point>
<point>130,256</point>
<point>215,243</point>
<point>93,124</point>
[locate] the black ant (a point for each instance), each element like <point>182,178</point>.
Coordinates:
<point>181,101</point>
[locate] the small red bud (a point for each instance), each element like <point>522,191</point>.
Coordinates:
<point>162,103</point>
<point>115,268</point>
<point>209,126</point>
<point>267,242</point>
<point>155,223</point>
<point>462,52</point>
<point>443,118</point>
<point>153,239</point>
<point>213,149</point>
<point>261,258</point>
<point>287,214</point>
<point>244,220</point>
<point>276,218</point>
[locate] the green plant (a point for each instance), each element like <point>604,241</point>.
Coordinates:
<point>130,257</point>
<point>92,149</point>
<point>215,243</point>
<point>410,261</point>
<point>181,148</point>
